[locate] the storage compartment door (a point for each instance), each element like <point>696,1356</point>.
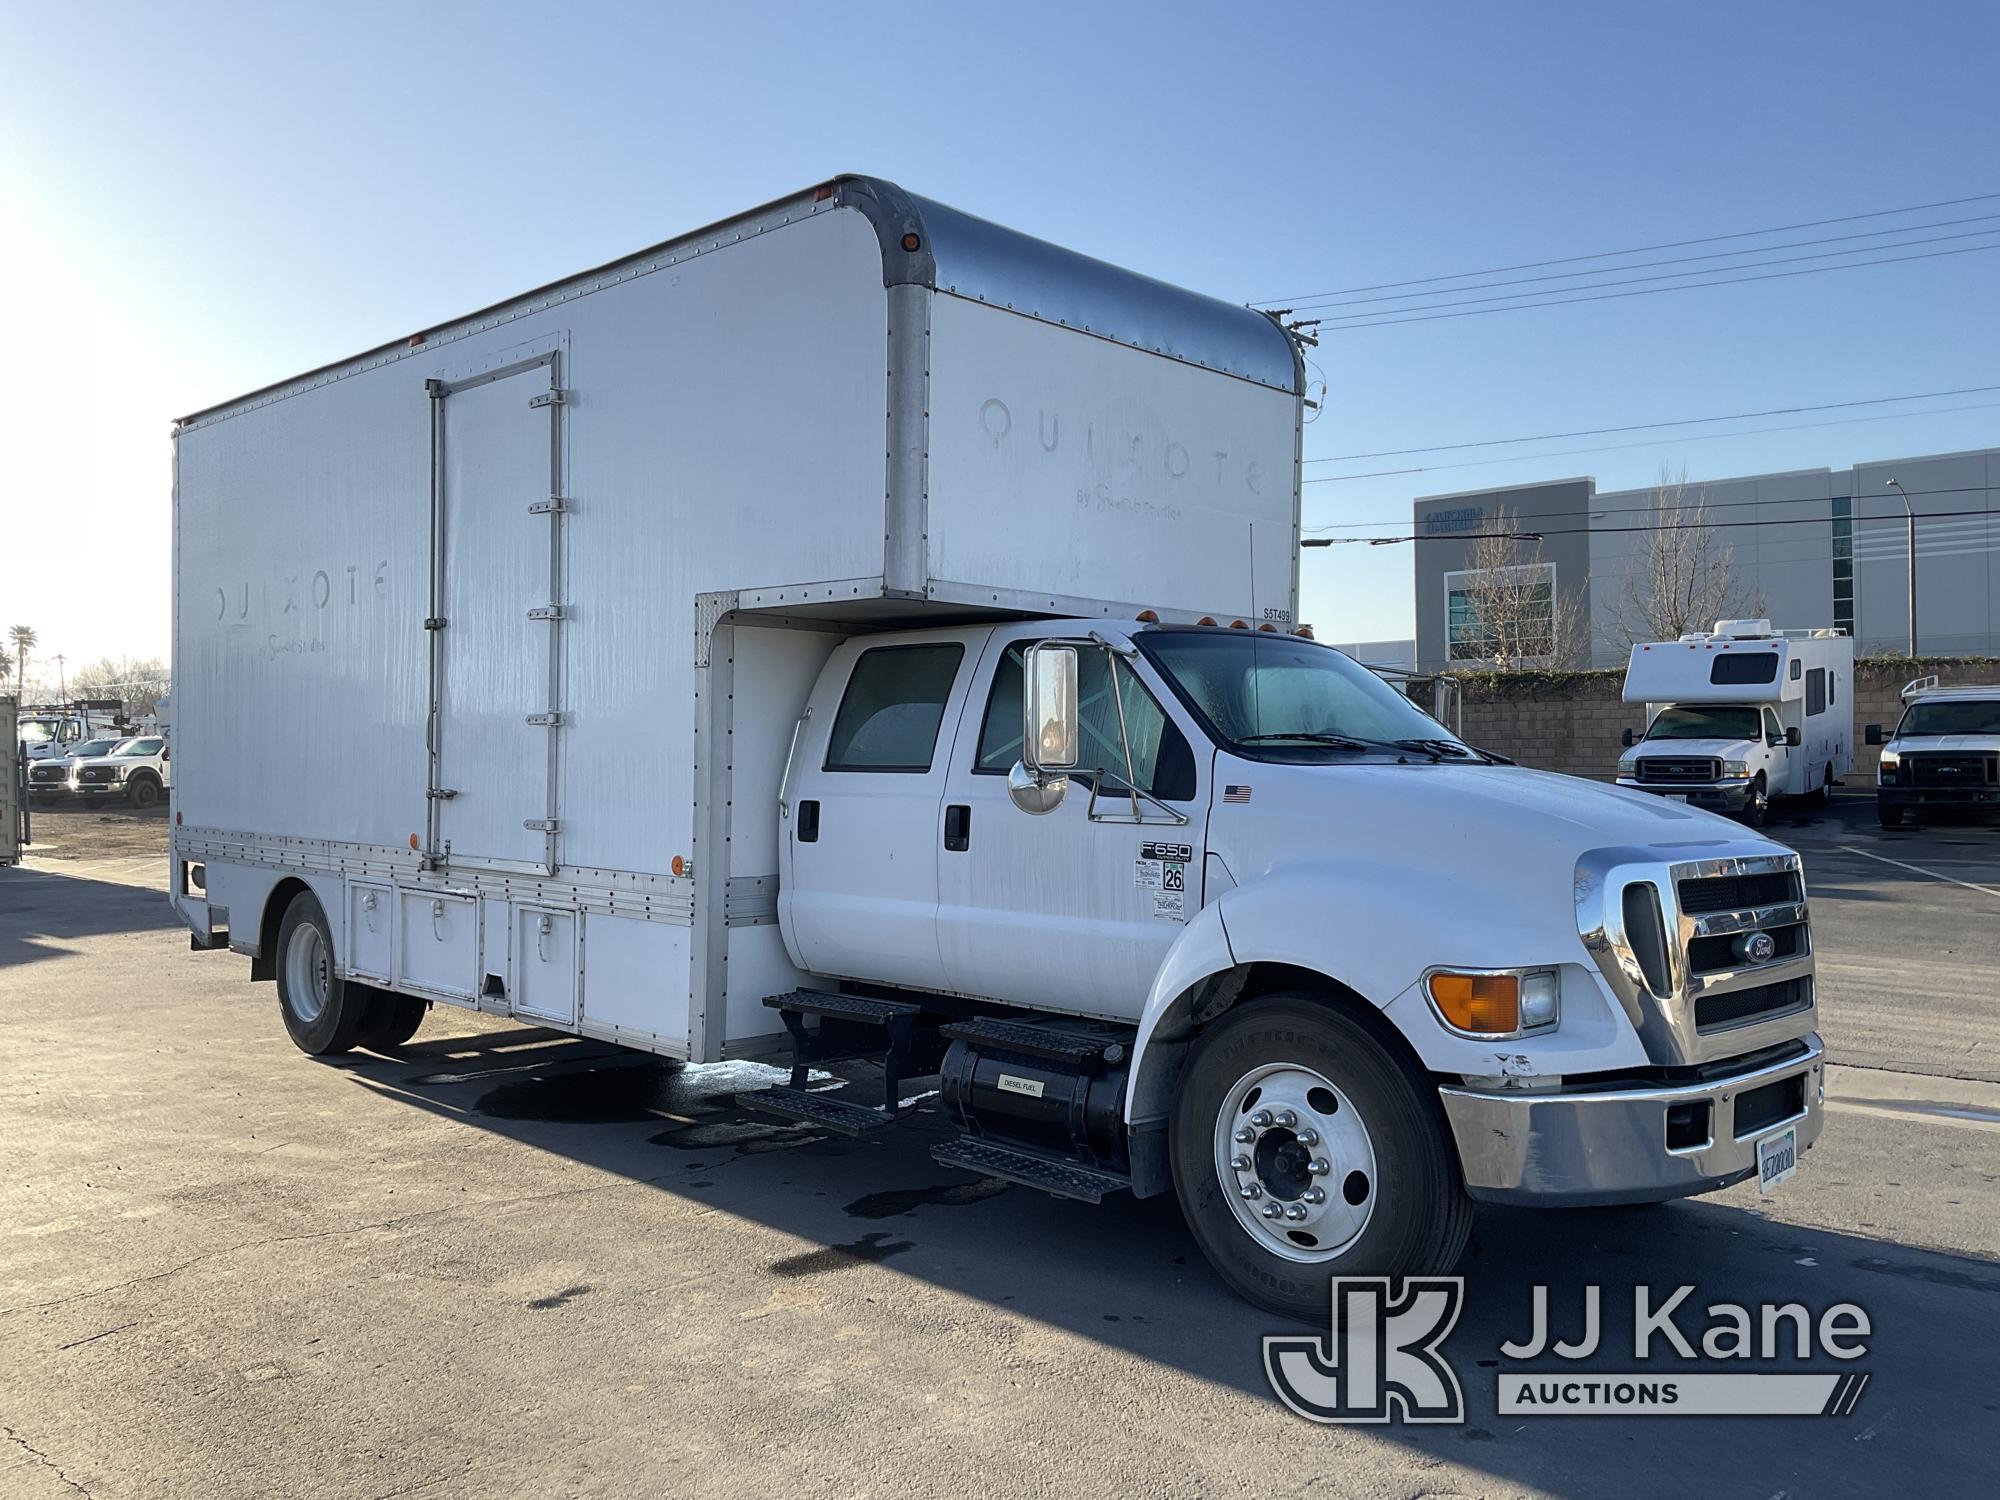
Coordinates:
<point>495,621</point>
<point>545,964</point>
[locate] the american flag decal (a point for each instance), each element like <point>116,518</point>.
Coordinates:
<point>1236,794</point>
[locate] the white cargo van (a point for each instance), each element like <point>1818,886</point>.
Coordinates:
<point>949,579</point>
<point>1741,715</point>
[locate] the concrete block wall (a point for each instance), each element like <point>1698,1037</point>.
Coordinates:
<point>1572,722</point>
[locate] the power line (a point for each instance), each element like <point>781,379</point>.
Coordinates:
<point>1569,260</point>
<point>1478,312</point>
<point>1740,416</point>
<point>1676,260</point>
<point>1477,536</point>
<point>1351,319</point>
<point>1694,437</point>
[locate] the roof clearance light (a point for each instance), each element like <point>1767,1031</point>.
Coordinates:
<point>1148,617</point>
<point>1206,620</point>
<point>1268,628</point>
<point>1238,625</point>
<point>823,192</point>
<point>1304,632</point>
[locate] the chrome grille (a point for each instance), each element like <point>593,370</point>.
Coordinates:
<point>1680,770</point>
<point>96,773</point>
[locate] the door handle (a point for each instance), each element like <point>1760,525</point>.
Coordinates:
<point>808,828</point>
<point>958,827</point>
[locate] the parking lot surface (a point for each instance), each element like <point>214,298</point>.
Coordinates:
<point>505,1262</point>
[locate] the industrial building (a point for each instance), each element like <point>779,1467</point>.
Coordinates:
<point>1812,547</point>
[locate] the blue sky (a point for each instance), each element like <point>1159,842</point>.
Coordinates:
<point>196,199</point>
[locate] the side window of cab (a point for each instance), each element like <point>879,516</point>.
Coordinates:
<point>1162,762</point>
<point>889,715</point>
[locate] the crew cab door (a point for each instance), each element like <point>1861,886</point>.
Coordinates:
<point>1782,757</point>
<point>1062,910</point>
<point>862,817</point>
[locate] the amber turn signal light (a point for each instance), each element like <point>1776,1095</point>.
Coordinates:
<point>1478,1002</point>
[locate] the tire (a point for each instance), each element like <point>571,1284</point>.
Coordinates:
<point>142,791</point>
<point>1822,795</point>
<point>1385,1126</point>
<point>392,1020</point>
<point>1757,811</point>
<point>323,1013</point>
<point>1889,817</point>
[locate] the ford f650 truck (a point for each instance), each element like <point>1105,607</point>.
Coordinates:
<point>950,579</point>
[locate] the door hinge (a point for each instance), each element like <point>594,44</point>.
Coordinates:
<point>434,389</point>
<point>556,397</point>
<point>550,721</point>
<point>435,622</point>
<point>547,612</point>
<point>441,794</point>
<point>555,505</point>
<point>541,825</point>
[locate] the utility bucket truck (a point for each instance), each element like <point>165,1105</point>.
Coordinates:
<point>949,579</point>
<point>1741,715</point>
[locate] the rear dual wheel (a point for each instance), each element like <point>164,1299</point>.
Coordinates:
<point>1303,1150</point>
<point>324,1013</point>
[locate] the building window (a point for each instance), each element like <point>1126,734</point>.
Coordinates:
<point>1843,564</point>
<point>1501,614</point>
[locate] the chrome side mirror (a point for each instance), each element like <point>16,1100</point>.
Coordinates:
<point>1049,738</point>
<point>1036,792</point>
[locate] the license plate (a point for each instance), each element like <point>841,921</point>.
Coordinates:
<point>1677,796</point>
<point>1777,1158</point>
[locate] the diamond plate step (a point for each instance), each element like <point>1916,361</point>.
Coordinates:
<point>1064,1179</point>
<point>862,1008</point>
<point>1079,1049</point>
<point>828,1111</point>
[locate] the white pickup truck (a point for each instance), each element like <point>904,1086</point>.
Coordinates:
<point>1942,756</point>
<point>138,770</point>
<point>990,752</point>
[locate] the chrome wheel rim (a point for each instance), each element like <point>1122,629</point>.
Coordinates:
<point>308,972</point>
<point>1296,1162</point>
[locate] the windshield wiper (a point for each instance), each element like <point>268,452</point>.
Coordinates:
<point>1457,751</point>
<point>1339,741</point>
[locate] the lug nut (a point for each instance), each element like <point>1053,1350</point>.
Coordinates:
<point>1271,1210</point>
<point>1287,1118</point>
<point>1314,1195</point>
<point>1245,1136</point>
<point>1320,1166</point>
<point>1296,1213</point>
<point>1262,1119</point>
<point>1252,1190</point>
<point>1239,1163</point>
<point>1308,1137</point>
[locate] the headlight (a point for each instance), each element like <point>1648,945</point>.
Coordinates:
<point>1891,761</point>
<point>118,773</point>
<point>1736,768</point>
<point>1485,1004</point>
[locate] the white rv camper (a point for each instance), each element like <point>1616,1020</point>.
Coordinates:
<point>946,579</point>
<point>1740,715</point>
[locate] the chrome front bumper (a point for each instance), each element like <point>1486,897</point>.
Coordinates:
<point>1732,793</point>
<point>1580,1147</point>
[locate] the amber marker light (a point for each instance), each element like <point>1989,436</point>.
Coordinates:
<point>1489,1004</point>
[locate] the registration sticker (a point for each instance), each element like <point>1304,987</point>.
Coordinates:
<point>1777,1158</point>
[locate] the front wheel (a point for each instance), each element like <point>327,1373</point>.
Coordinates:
<point>323,1012</point>
<point>1757,811</point>
<point>1889,817</point>
<point>1302,1150</point>
<point>143,792</point>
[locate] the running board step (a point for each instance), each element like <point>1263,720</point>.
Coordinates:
<point>824,1110</point>
<point>1063,1179</point>
<point>863,1008</point>
<point>1079,1049</point>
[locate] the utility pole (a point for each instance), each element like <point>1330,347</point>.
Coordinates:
<point>1910,513</point>
<point>62,682</point>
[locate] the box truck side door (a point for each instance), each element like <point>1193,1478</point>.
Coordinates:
<point>1062,909</point>
<point>859,892</point>
<point>493,660</point>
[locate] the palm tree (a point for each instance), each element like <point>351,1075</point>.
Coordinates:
<point>23,637</point>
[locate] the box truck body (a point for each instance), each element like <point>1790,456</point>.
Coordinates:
<point>859,629</point>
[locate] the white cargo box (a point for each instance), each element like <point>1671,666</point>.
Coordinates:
<point>471,616</point>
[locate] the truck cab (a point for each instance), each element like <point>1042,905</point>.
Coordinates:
<point>1944,753</point>
<point>1740,716</point>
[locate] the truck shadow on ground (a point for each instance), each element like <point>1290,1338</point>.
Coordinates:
<point>47,911</point>
<point>1129,1274</point>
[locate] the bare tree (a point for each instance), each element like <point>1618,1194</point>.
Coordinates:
<point>139,681</point>
<point>1512,611</point>
<point>1683,578</point>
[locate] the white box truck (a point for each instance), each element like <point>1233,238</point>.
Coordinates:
<point>1741,715</point>
<point>862,630</point>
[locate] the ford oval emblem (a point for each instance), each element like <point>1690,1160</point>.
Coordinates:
<point>1756,947</point>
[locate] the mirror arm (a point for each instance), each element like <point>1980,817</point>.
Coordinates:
<point>1124,735</point>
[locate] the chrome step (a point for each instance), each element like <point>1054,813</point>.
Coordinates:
<point>862,1008</point>
<point>1081,1050</point>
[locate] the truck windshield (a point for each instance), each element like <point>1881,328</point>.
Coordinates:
<point>1726,722</point>
<point>1278,697</point>
<point>1946,717</point>
<point>93,747</point>
<point>35,732</point>
<point>138,747</point>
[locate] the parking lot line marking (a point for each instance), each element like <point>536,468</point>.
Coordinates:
<point>1984,890</point>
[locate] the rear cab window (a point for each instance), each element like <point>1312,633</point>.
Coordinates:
<point>893,706</point>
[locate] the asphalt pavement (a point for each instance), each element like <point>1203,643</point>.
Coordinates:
<point>506,1262</point>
